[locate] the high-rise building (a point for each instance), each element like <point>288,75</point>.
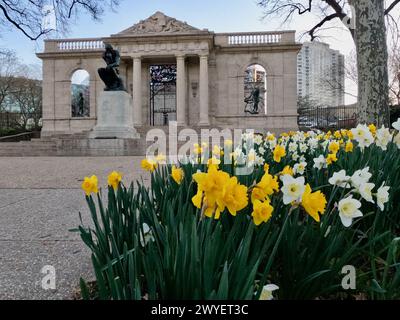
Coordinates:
<point>320,74</point>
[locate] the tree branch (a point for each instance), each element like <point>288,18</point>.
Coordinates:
<point>391,7</point>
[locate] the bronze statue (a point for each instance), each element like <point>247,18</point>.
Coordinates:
<point>110,74</point>
<point>253,100</point>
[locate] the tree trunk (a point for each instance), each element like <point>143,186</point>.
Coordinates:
<point>372,62</point>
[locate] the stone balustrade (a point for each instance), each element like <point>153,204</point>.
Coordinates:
<point>68,45</point>
<point>255,38</point>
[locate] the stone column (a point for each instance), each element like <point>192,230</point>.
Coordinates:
<point>180,90</point>
<point>137,91</point>
<point>203,91</point>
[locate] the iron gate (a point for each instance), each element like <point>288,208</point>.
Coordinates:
<point>162,94</point>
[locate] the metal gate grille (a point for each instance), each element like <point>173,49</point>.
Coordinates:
<point>162,94</point>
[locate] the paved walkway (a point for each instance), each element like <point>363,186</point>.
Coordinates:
<point>40,199</point>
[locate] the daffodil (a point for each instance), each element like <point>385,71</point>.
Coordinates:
<point>365,190</point>
<point>266,293</point>
<point>331,158</point>
<point>313,202</point>
<point>363,136</point>
<point>149,164</point>
<point>211,183</point>
<point>279,152</point>
<point>266,187</point>
<point>262,211</point>
<point>382,196</point>
<point>287,170</point>
<point>234,196</point>
<point>372,129</point>
<point>334,147</point>
<point>161,158</point>
<point>113,180</point>
<point>292,189</point>
<point>349,146</point>
<point>383,137</point>
<point>299,168</point>
<point>396,124</point>
<point>340,179</point>
<point>348,210</point>
<point>90,185</point>
<point>177,174</point>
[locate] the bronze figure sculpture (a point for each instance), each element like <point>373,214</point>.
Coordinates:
<point>252,101</point>
<point>110,74</point>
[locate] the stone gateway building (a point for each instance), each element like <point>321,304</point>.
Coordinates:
<point>175,72</point>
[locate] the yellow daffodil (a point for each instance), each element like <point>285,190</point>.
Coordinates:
<point>149,165</point>
<point>90,185</point>
<point>350,134</point>
<point>234,196</point>
<point>270,137</point>
<point>279,152</point>
<point>262,211</point>
<point>331,158</point>
<point>211,183</point>
<point>334,147</point>
<point>266,168</point>
<point>372,128</point>
<point>287,170</point>
<point>337,134</point>
<point>313,202</point>
<point>266,187</point>
<point>177,174</point>
<point>349,146</point>
<point>114,178</point>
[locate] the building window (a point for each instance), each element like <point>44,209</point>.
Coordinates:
<point>80,94</point>
<point>255,88</point>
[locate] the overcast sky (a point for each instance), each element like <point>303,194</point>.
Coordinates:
<point>215,15</point>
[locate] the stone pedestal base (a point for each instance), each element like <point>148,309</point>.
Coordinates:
<point>114,117</point>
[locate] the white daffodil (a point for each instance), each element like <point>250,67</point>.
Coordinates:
<point>360,176</point>
<point>396,140</point>
<point>299,168</point>
<point>382,196</point>
<point>292,147</point>
<point>259,160</point>
<point>365,190</point>
<point>295,156</point>
<point>261,150</point>
<point>348,210</point>
<point>266,293</point>
<point>383,137</point>
<point>320,162</point>
<point>302,159</point>
<point>324,144</point>
<point>272,144</point>
<point>258,139</point>
<point>363,136</point>
<point>146,236</point>
<point>293,188</point>
<point>303,148</point>
<point>313,143</point>
<point>340,179</point>
<point>396,124</point>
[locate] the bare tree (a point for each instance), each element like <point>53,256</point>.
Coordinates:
<point>367,27</point>
<point>9,68</point>
<point>27,16</point>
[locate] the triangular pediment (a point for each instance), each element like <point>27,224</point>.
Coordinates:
<point>159,23</point>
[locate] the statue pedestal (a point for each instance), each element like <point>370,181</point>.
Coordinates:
<point>114,117</point>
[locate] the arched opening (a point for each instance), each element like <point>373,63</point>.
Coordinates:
<point>255,89</point>
<point>80,94</point>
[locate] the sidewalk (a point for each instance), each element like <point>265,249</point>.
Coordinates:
<point>40,199</point>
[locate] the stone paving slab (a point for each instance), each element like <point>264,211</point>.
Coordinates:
<point>40,199</point>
